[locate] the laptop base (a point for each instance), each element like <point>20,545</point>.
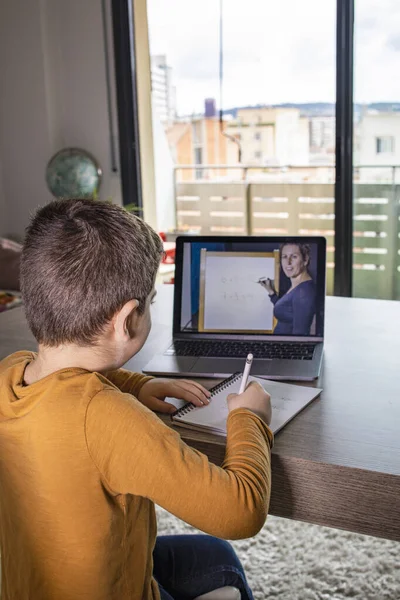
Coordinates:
<point>284,370</point>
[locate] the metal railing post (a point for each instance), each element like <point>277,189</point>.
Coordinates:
<point>394,231</point>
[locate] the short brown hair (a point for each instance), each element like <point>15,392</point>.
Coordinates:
<point>82,260</point>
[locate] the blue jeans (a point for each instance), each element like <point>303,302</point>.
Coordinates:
<point>186,566</point>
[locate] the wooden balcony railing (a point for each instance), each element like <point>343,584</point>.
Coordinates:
<point>253,208</point>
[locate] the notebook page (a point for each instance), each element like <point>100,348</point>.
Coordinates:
<point>287,400</point>
<point>215,414</point>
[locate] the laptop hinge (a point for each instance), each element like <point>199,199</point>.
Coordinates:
<point>196,337</point>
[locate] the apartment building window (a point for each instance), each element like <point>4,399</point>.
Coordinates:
<point>385,144</point>
<point>198,156</point>
<point>198,160</point>
<point>196,131</point>
<point>257,154</point>
<point>257,136</point>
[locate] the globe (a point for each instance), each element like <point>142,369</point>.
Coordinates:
<point>73,173</point>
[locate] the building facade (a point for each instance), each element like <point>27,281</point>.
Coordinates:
<point>377,146</point>
<point>201,142</point>
<point>322,139</point>
<point>163,90</point>
<point>271,136</point>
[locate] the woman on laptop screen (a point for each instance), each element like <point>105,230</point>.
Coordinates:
<point>295,309</point>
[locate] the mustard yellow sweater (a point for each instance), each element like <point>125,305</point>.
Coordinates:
<point>82,463</point>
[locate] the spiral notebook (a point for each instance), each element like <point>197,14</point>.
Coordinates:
<point>287,401</point>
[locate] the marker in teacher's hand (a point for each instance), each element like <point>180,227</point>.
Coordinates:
<point>246,373</point>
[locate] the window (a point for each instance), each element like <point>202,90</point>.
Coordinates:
<point>376,177</point>
<point>198,160</point>
<point>198,156</point>
<point>295,105</point>
<point>196,131</point>
<point>385,144</point>
<point>272,113</point>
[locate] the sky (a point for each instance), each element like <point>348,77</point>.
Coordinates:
<point>275,51</point>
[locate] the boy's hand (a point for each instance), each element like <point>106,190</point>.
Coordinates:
<point>255,398</point>
<point>154,392</point>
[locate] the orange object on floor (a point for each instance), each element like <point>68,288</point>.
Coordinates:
<point>169,250</point>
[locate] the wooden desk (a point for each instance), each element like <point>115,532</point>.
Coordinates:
<point>338,462</point>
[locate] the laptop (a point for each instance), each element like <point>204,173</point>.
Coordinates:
<point>239,295</point>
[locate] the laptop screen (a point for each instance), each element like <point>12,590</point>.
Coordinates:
<point>250,286</point>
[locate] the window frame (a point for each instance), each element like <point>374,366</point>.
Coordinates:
<point>126,84</point>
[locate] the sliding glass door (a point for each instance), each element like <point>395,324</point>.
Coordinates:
<point>255,129</point>
<point>376,173</point>
<point>244,94</point>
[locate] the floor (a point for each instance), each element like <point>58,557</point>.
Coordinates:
<point>289,560</point>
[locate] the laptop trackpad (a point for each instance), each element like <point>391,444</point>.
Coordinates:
<point>227,366</point>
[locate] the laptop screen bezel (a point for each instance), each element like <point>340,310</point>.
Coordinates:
<point>321,284</point>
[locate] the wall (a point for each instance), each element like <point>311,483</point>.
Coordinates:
<point>76,27</point>
<point>53,95</point>
<point>203,134</point>
<point>283,136</point>
<point>184,150</point>
<point>379,125</point>
<point>25,145</point>
<point>368,129</point>
<point>292,138</point>
<point>3,214</point>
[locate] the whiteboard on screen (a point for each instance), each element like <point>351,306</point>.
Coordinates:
<point>231,299</point>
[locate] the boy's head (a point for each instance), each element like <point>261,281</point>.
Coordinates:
<point>84,264</point>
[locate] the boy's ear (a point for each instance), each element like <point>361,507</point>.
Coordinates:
<point>122,320</point>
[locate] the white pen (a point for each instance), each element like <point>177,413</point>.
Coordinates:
<point>246,373</point>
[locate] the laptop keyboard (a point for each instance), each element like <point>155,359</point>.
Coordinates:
<point>224,349</point>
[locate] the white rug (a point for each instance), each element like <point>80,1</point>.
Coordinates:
<point>290,560</point>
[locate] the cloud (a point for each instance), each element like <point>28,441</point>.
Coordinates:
<point>313,54</point>
<point>197,65</point>
<point>393,42</point>
<point>273,51</point>
<point>366,23</point>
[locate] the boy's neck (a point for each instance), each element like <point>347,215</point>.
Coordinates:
<point>50,360</point>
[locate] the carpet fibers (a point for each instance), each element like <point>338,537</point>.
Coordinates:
<point>290,560</point>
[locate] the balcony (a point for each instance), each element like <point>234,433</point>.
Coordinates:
<point>226,200</point>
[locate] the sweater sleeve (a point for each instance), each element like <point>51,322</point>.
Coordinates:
<point>136,453</point>
<point>274,298</point>
<point>126,381</point>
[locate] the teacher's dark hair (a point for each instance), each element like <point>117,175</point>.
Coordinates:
<point>304,249</point>
<point>82,261</point>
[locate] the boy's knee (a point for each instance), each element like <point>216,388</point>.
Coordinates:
<point>226,552</point>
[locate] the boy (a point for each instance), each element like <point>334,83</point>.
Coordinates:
<point>83,459</point>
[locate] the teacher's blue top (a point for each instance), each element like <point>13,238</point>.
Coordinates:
<point>295,310</point>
